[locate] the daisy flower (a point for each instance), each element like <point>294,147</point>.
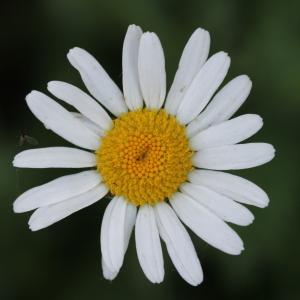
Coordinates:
<point>160,157</point>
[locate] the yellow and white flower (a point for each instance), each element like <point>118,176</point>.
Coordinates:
<point>160,156</point>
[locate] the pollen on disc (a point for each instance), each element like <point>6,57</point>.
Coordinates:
<point>145,156</point>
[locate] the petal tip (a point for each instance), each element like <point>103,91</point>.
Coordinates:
<point>73,52</point>
<point>249,220</point>
<point>33,227</point>
<point>134,27</point>
<point>196,282</point>
<point>74,49</point>
<point>30,96</point>
<point>148,35</point>
<point>237,251</point>
<point>259,119</point>
<point>51,84</point>
<point>246,77</point>
<point>222,54</point>
<point>201,31</point>
<point>17,208</point>
<point>15,162</point>
<point>272,151</point>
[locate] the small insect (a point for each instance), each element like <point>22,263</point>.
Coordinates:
<point>26,139</point>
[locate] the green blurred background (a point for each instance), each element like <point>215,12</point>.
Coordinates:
<point>63,261</point>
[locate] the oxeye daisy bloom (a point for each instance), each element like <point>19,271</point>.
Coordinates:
<point>160,157</point>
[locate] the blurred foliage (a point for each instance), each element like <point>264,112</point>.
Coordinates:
<point>63,261</point>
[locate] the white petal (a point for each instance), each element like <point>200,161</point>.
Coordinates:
<point>224,104</point>
<point>232,186</point>
<point>148,244</point>
<point>225,208</point>
<point>203,87</point>
<point>234,157</point>
<point>57,190</point>
<point>89,124</point>
<point>192,59</point>
<point>179,244</point>
<point>59,120</point>
<point>152,73</point>
<point>85,104</point>
<point>109,272</point>
<point>55,157</point>
<point>48,215</point>
<point>104,238</point>
<point>97,81</point>
<point>115,232</point>
<point>206,224</point>
<point>131,86</point>
<point>227,133</point>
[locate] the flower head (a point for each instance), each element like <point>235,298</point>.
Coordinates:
<point>160,156</point>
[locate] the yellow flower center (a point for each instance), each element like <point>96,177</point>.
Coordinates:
<point>145,156</point>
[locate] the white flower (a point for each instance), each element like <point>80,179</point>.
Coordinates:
<point>160,157</point>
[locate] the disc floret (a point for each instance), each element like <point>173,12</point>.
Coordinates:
<point>145,156</point>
